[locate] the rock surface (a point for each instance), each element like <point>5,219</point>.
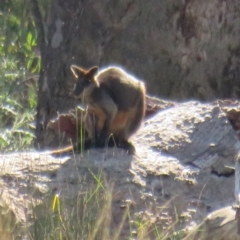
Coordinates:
<point>182,170</point>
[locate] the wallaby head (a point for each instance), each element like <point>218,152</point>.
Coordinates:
<point>85,79</point>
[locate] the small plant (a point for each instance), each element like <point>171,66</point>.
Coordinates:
<point>19,61</point>
<point>89,217</point>
<point>17,108</point>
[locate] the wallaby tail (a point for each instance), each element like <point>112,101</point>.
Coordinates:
<point>69,150</point>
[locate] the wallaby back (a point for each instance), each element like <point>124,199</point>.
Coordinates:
<point>124,89</point>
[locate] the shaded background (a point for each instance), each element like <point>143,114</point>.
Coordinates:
<point>181,49</point>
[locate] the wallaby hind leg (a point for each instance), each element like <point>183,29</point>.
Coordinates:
<point>132,125</point>
<point>92,143</point>
<point>111,142</point>
<point>117,142</point>
<point>94,123</point>
<point>135,121</point>
<point>109,109</point>
<point>128,146</point>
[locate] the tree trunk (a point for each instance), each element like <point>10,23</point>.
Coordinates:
<point>182,49</point>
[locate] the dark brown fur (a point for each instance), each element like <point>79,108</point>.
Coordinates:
<point>116,99</point>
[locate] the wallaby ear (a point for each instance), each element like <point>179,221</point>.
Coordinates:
<point>92,71</point>
<point>77,71</point>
